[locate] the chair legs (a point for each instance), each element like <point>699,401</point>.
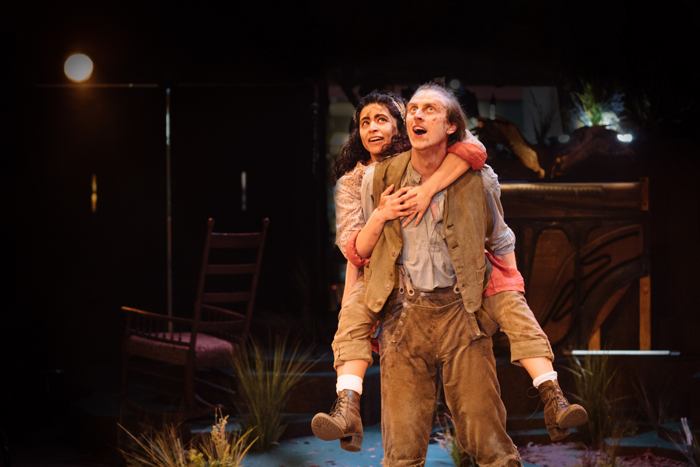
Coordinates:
<point>189,385</point>
<point>193,405</point>
<point>125,372</point>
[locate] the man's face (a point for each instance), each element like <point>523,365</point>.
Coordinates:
<point>426,119</point>
<point>377,127</point>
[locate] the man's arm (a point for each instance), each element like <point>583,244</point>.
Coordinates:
<point>503,238</point>
<point>509,259</point>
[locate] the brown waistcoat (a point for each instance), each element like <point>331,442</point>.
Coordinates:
<point>465,225</point>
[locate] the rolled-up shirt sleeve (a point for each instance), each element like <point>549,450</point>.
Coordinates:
<point>471,139</point>
<point>348,209</point>
<point>470,150</point>
<point>502,241</point>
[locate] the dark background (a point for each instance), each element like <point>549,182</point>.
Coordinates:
<point>68,270</point>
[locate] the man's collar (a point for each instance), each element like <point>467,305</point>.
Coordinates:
<point>413,178</point>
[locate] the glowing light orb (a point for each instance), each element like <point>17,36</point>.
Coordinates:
<point>563,138</point>
<point>455,84</point>
<point>78,68</point>
<point>625,138</point>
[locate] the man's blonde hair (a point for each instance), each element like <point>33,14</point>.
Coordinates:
<point>455,114</point>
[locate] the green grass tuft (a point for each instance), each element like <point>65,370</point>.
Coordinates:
<point>688,444</point>
<point>164,448</point>
<point>448,441</point>
<point>595,385</point>
<point>264,386</point>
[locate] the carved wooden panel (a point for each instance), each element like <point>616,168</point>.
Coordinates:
<point>579,247</point>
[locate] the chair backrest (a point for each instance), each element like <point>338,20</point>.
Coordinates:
<point>204,304</point>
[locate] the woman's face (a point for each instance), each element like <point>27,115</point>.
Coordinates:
<point>377,126</point>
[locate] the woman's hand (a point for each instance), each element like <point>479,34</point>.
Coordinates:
<point>422,198</point>
<point>390,206</point>
<point>393,205</point>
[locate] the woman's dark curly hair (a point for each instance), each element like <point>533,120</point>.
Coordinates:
<point>353,150</point>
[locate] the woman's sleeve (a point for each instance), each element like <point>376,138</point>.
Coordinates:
<point>471,150</point>
<point>365,190</point>
<point>351,249</point>
<point>348,211</point>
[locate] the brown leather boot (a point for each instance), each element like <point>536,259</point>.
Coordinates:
<point>559,415</point>
<point>514,461</point>
<point>343,423</point>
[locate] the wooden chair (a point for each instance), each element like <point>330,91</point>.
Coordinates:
<point>209,339</point>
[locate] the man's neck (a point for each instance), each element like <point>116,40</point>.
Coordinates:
<point>427,161</point>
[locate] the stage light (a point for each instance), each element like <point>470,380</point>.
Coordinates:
<point>625,138</point>
<point>563,138</point>
<point>93,198</point>
<point>455,84</point>
<point>78,68</point>
<point>244,194</point>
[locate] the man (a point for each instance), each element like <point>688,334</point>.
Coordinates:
<point>429,302</point>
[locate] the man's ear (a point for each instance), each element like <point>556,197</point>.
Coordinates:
<point>451,129</point>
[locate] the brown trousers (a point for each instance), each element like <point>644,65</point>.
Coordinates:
<point>355,321</point>
<point>508,309</point>
<point>423,337</point>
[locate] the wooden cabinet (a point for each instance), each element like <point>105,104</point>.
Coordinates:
<point>583,250</point>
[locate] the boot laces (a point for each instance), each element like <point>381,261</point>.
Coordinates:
<point>558,396</point>
<point>536,394</point>
<point>338,406</point>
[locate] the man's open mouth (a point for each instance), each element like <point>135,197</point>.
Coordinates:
<point>419,131</point>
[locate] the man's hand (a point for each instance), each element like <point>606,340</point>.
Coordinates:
<point>397,204</point>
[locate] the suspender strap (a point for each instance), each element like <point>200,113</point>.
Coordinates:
<point>403,277</point>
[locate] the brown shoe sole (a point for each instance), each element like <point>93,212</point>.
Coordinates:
<point>557,434</point>
<point>325,428</point>
<point>574,416</point>
<point>352,443</point>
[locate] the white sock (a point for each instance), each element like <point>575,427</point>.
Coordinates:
<point>349,382</point>
<point>549,376</point>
